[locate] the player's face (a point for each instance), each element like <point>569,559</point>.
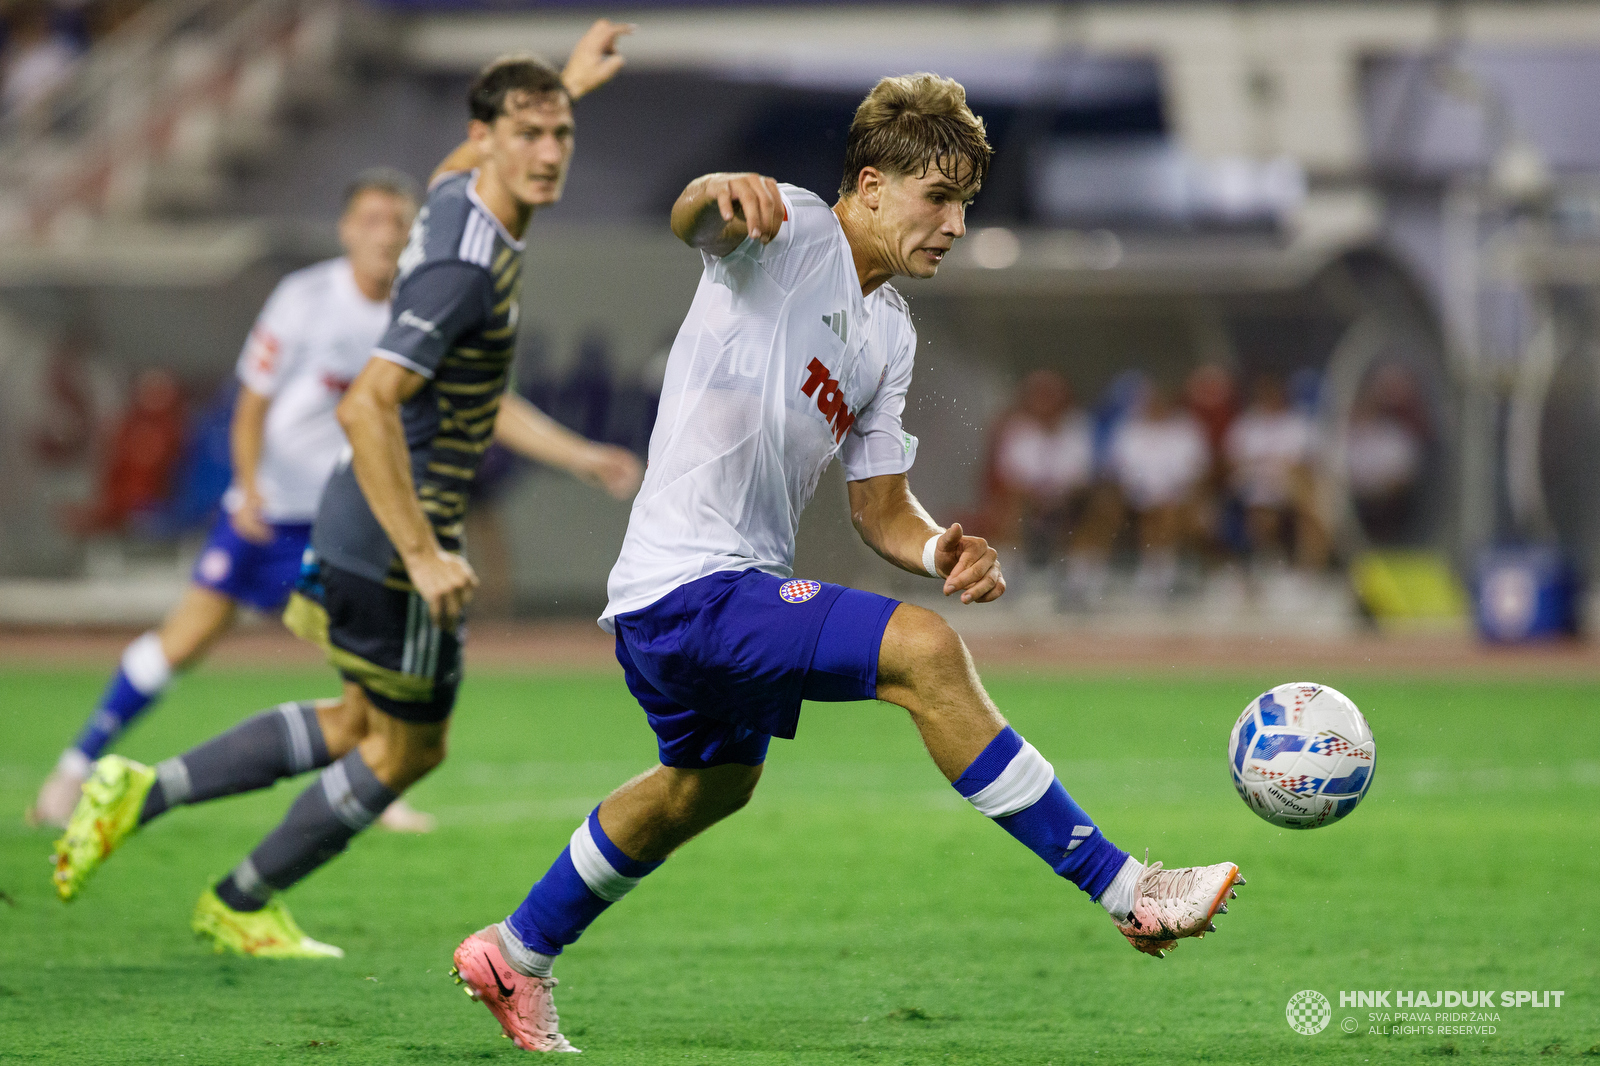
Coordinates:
<point>921,217</point>
<point>530,147</point>
<point>373,231</point>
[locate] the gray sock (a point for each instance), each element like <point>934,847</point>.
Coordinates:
<point>282,742</point>
<point>345,799</point>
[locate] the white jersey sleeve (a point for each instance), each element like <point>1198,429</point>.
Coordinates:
<point>274,348</point>
<point>877,443</point>
<point>808,235</point>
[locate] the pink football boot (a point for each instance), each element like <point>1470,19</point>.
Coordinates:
<point>1172,904</point>
<point>522,1005</point>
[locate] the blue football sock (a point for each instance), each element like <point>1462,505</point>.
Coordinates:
<point>140,678</point>
<point>591,874</point>
<point>1013,784</point>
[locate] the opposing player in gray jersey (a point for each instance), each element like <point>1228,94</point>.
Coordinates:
<point>384,585</point>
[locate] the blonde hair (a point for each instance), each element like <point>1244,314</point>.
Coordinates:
<point>912,122</point>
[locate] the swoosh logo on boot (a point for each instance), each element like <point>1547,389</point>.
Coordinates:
<point>504,991</point>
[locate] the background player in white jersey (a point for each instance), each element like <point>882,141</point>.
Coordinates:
<point>796,349</point>
<point>384,584</point>
<point>310,340</point>
<point>1158,457</point>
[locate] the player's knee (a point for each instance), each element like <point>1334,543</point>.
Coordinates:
<point>707,796</point>
<point>421,756</point>
<point>922,647</point>
<point>344,724</point>
<point>736,793</point>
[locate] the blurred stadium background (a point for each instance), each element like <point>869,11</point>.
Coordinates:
<point>1352,250</point>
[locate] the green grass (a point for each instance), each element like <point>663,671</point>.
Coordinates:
<point>857,911</point>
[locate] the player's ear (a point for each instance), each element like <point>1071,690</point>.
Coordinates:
<point>869,187</point>
<point>479,132</point>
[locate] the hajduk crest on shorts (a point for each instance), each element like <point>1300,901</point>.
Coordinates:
<point>798,591</point>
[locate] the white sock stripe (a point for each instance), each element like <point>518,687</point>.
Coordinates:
<point>601,877</point>
<point>342,798</point>
<point>146,666</point>
<point>248,880</point>
<point>173,776</point>
<point>1082,830</point>
<point>1025,779</point>
<point>299,737</point>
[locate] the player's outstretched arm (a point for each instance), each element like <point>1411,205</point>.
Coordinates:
<point>895,525</point>
<point>245,435</point>
<point>370,415</point>
<point>530,432</point>
<point>594,61</point>
<point>716,212</point>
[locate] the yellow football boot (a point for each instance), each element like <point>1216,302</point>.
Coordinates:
<point>107,812</point>
<point>269,933</point>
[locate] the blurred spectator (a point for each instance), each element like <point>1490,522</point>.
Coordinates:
<point>37,58</point>
<point>1043,465</point>
<point>1270,451</point>
<point>1383,454</point>
<point>1212,400</point>
<point>145,447</point>
<point>1159,461</point>
<point>66,416</point>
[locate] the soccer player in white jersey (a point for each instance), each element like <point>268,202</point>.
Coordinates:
<point>795,349</point>
<point>308,343</point>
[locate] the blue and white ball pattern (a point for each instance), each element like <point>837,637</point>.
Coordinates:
<point>1302,755</point>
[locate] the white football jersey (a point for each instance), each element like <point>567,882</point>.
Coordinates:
<point>1265,448</point>
<point>1052,463</point>
<point>1158,463</point>
<point>780,364</point>
<point>311,339</point>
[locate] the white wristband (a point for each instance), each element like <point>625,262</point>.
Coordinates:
<point>927,556</point>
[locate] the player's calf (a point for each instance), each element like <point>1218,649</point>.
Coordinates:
<point>285,741</point>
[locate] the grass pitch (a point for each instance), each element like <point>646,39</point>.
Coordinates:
<point>858,910</point>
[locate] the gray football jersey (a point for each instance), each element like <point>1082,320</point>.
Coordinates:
<point>453,320</point>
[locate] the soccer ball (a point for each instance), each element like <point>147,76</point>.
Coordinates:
<point>1302,755</point>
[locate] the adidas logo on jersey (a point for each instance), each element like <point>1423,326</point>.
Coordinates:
<point>839,322</point>
<point>830,398</point>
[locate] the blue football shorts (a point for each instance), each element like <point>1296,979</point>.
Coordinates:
<point>261,575</point>
<point>721,664</point>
